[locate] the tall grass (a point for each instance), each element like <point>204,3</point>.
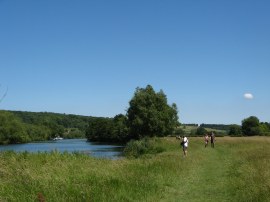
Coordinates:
<point>137,148</point>
<point>236,170</point>
<point>249,173</point>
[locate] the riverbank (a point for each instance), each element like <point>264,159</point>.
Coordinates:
<point>236,170</point>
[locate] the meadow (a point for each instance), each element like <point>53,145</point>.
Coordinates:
<point>237,169</point>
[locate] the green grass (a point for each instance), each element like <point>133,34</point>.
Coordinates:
<point>188,129</point>
<point>237,169</point>
<point>191,129</point>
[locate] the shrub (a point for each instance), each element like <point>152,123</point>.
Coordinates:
<point>137,148</point>
<point>201,131</point>
<point>235,130</point>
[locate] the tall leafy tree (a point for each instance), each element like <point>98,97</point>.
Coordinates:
<point>150,115</point>
<point>251,126</point>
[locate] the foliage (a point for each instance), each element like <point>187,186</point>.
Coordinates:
<point>265,128</point>
<point>11,129</point>
<point>120,129</point>
<point>20,127</point>
<point>100,129</point>
<point>190,124</point>
<point>54,121</point>
<point>108,129</point>
<point>251,126</point>
<point>137,148</point>
<point>201,131</point>
<point>70,133</point>
<point>38,132</point>
<point>235,130</point>
<point>150,115</point>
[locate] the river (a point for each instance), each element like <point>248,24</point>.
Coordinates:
<point>69,145</point>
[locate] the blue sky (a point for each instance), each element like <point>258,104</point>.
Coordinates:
<point>87,57</point>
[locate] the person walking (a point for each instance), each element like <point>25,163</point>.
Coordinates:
<point>213,139</point>
<point>184,144</point>
<point>206,140</point>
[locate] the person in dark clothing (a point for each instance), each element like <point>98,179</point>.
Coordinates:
<point>213,139</point>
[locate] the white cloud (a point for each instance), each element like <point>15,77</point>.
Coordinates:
<point>248,96</point>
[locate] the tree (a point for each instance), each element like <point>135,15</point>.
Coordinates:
<point>108,129</point>
<point>235,130</point>
<point>251,126</point>
<point>99,129</point>
<point>11,129</point>
<point>120,131</point>
<point>265,128</point>
<point>150,115</point>
<point>201,131</point>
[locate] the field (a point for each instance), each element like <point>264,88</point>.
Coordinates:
<point>189,129</point>
<point>237,169</point>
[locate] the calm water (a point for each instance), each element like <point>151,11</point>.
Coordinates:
<point>69,145</point>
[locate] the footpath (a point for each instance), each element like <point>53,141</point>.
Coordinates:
<point>206,175</point>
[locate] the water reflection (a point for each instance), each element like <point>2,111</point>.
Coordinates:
<point>69,145</point>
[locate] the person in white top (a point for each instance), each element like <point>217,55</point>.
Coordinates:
<point>206,140</point>
<point>185,145</point>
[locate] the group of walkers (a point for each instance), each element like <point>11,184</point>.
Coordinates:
<point>184,141</point>
<point>212,139</point>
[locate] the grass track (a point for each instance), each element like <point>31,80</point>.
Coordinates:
<point>204,176</point>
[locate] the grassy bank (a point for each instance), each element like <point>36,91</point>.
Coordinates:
<point>236,170</point>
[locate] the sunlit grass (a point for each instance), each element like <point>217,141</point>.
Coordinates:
<point>236,170</point>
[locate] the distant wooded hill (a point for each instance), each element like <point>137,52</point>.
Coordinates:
<point>21,126</point>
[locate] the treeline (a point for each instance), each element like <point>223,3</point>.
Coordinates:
<point>190,124</point>
<point>21,127</point>
<point>216,126</point>
<point>250,126</point>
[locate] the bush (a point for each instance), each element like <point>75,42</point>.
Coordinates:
<point>235,130</point>
<point>137,148</point>
<point>201,131</point>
